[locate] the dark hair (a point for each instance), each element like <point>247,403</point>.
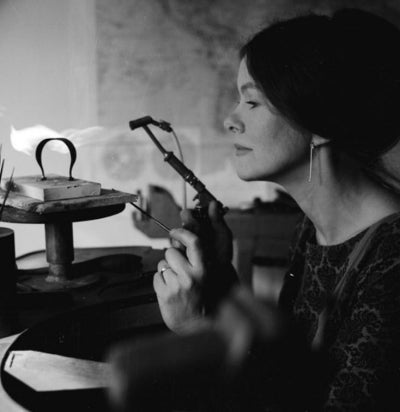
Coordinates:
<point>338,77</point>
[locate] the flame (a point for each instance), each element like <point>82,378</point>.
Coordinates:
<point>94,134</point>
<point>25,140</point>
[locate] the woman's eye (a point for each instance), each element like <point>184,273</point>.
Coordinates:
<point>251,104</point>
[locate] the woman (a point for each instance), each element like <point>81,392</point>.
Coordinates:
<point>319,103</point>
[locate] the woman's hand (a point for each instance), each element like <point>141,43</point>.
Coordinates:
<point>216,242</point>
<point>178,284</point>
<point>219,236</point>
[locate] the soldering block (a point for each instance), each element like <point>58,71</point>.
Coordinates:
<point>55,187</point>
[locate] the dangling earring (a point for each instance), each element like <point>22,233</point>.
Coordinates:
<point>312,146</point>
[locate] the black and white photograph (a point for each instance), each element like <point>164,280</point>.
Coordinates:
<point>199,205</point>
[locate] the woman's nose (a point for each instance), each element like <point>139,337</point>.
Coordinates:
<point>233,124</point>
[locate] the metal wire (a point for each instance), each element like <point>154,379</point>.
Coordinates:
<point>166,228</point>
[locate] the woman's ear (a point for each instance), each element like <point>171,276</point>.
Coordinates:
<point>319,141</point>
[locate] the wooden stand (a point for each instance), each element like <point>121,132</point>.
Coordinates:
<point>58,217</point>
<point>55,187</point>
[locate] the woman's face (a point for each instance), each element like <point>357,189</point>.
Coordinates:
<point>266,146</point>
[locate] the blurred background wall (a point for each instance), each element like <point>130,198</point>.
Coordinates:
<point>75,64</point>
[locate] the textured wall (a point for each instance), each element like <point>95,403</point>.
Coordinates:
<point>177,60</point>
<point>174,60</point>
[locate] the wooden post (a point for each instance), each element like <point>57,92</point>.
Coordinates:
<point>59,250</point>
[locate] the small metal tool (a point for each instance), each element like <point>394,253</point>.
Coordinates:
<point>166,228</point>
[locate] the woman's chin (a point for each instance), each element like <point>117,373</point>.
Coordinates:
<point>247,176</point>
<point>251,176</point>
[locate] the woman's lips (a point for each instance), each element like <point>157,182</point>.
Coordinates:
<point>241,150</point>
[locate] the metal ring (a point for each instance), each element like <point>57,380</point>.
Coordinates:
<point>72,152</point>
<point>162,270</point>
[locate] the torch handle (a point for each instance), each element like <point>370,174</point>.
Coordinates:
<point>203,196</point>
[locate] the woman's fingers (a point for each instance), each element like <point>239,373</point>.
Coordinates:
<point>158,283</point>
<point>194,252</point>
<point>217,219</point>
<point>177,245</point>
<point>182,267</point>
<point>178,271</point>
<point>167,282</point>
<point>162,264</point>
<point>189,222</point>
<point>214,212</point>
<point>173,270</point>
<point>177,282</point>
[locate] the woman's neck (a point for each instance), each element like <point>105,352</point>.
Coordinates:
<point>341,206</point>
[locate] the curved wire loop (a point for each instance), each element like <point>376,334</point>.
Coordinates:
<point>72,152</point>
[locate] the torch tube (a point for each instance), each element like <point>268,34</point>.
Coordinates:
<point>203,195</point>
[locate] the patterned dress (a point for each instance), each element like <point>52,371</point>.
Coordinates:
<point>362,336</point>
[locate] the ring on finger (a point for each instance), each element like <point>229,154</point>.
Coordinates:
<point>163,269</point>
